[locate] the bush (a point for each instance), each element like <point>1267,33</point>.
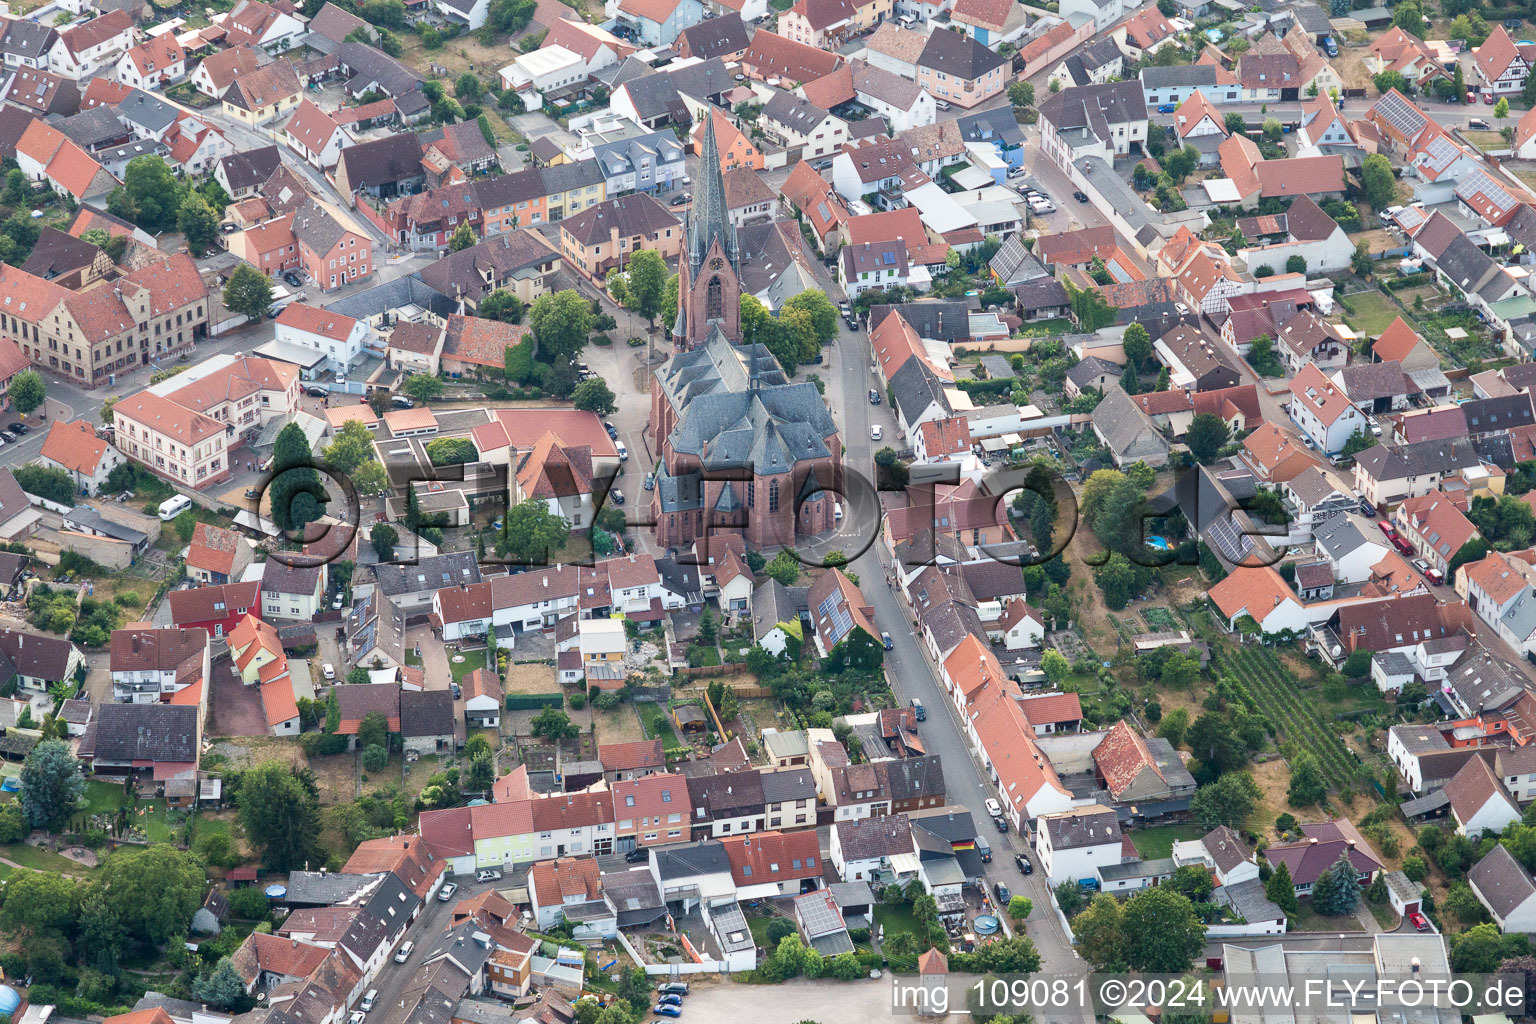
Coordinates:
<point>375,758</point>
<point>578,700</point>
<point>249,904</point>
<point>778,928</point>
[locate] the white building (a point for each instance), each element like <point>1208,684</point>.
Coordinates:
<point>1504,886</point>
<point>1074,844</point>
<point>548,69</point>
<point>337,337</point>
<point>1478,801</point>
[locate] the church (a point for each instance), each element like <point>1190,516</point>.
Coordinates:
<point>743,449</point>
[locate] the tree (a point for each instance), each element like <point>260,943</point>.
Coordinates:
<point>352,447</point>
<point>1193,882</point>
<point>1163,934</point>
<point>504,306</point>
<point>785,568</point>
<point>1173,727</point>
<point>464,235</point>
<point>281,816</point>
<point>531,533</point>
<point>222,986</point>
<point>554,725</point>
<point>1388,80</point>
<point>1130,383</point>
<point>594,395</point>
<point>37,903</point>
<point>1296,264</point>
<point>1261,356</point>
<point>1021,94</point>
<point>197,222</point>
<point>1501,108</point>
<point>423,387</point>
<point>51,784</point>
<point>155,890</point>
<point>1342,893</point>
<point>370,478</point>
<point>298,495</point>
<point>150,195</point>
<point>1213,740</point>
<point>1409,17</point>
<point>383,537</point>
<point>1100,932</point>
<point>1020,907</point>
<point>373,730</point>
<point>185,525</point>
<point>1055,666</point>
<point>1229,800</point>
<point>1308,786</point>
<point>1206,435</point>
<point>821,313</point>
<point>27,391</point>
<point>1089,308</point>
<point>248,291</point>
<point>101,929</point>
<point>13,824</point>
<point>1376,178</point>
<point>481,774</point>
<point>1119,580</point>
<point>1480,949</point>
<point>561,322</point>
<point>1281,889</point>
<point>375,758</point>
<point>1137,344</point>
<point>646,287</point>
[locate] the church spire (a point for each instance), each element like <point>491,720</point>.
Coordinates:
<point>708,219</point>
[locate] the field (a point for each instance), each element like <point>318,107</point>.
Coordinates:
<point>1305,920</point>
<point>1270,688</point>
<point>1486,141</point>
<point>617,726</point>
<point>1372,312</point>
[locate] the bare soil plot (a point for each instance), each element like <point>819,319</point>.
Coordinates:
<point>531,679</point>
<point>621,725</point>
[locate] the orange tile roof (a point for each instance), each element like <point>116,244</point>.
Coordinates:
<point>314,320</point>
<point>1251,590</point>
<point>553,881</point>
<point>1319,395</point>
<point>1008,737</point>
<point>340,417</point>
<point>163,416</point>
<point>773,857</point>
<point>409,419</point>
<point>1121,757</point>
<point>214,548</point>
<point>277,698</point>
<point>74,446</point>
<point>1195,110</point>
<point>1396,342</point>
<point>1495,577</point>
<point>950,436</point>
<point>157,53</point>
<point>407,856</point>
<point>311,126</point>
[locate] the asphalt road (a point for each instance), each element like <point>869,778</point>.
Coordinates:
<point>393,978</point>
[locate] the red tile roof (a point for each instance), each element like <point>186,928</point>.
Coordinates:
<point>552,882</point>
<point>211,604</point>
<point>214,549</point>
<point>626,757</point>
<point>1121,757</point>
<point>314,320</point>
<point>773,857</point>
<point>74,446</point>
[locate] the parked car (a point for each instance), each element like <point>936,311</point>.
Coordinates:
<point>446,892</point>
<point>941,104</point>
<point>638,855</point>
<point>313,392</point>
<point>404,952</point>
<point>874,397</point>
<point>1367,509</point>
<point>1080,196</point>
<point>488,875</point>
<point>671,999</point>
<point>1024,865</point>
<point>650,481</point>
<point>876,432</point>
<point>356,1017</point>
<point>671,988</point>
<point>293,279</point>
<point>1478,124</point>
<point>328,670</point>
<point>983,849</point>
<point>663,1010</point>
<point>920,712</point>
<point>1004,894</point>
<point>613,431</point>
<point>885,640</point>
<point>18,428</point>
<point>994,809</point>
<point>682,199</point>
<point>617,496</point>
<point>1001,824</point>
<point>1419,921</point>
<point>1488,99</point>
<point>1167,108</point>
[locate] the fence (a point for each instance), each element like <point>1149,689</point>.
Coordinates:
<point>711,671</point>
<point>534,701</point>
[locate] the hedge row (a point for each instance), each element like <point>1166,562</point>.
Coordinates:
<point>534,701</point>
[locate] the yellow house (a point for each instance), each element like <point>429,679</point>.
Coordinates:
<point>263,95</point>
<point>254,644</point>
<point>571,188</point>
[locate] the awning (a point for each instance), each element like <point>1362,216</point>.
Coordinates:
<point>993,444</point>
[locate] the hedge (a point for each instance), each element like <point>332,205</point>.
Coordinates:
<point>534,701</point>
<point>1409,281</point>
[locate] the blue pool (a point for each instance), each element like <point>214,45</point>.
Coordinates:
<point>1159,543</point>
<point>10,785</point>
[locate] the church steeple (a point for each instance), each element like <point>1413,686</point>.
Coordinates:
<point>708,285</point>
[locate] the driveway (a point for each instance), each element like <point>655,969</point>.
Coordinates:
<point>434,657</point>
<point>236,708</point>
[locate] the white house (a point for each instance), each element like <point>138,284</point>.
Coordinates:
<point>1352,544</point>
<point>1074,844</point>
<point>1504,886</point>
<point>75,448</point>
<point>1322,411</point>
<point>1103,12</point>
<point>1221,850</point>
<point>860,849</point>
<point>547,69</point>
<point>83,50</point>
<point>1516,768</point>
<point>314,135</point>
<point>570,889</point>
<point>158,60</point>
<point>469,13</point>
<point>1478,801</point>
<point>334,335</point>
<point>1020,626</point>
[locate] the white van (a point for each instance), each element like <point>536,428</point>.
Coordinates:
<point>623,451</point>
<point>170,508</point>
<point>368,1000</point>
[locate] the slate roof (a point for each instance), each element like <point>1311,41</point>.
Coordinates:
<point>165,733</point>
<point>428,574</point>
<point>1502,882</point>
<point>879,836</point>
<point>960,55</point>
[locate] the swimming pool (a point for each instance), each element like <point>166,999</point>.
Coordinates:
<point>1159,543</point>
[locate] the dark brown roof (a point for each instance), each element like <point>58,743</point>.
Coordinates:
<point>426,713</point>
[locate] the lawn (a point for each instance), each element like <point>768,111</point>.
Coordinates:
<point>1156,843</point>
<point>42,860</point>
<point>895,919</point>
<point>1486,141</point>
<point>1307,920</point>
<point>659,724</point>
<point>472,660</point>
<point>106,798</point>
<point>1372,312</point>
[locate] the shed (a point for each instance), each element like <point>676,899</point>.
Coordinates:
<point>1403,893</point>
<point>690,718</point>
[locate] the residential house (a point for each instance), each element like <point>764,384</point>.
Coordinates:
<point>651,810</point>
<point>1092,120</point>
<point>158,60</point>
<point>150,665</point>
<point>863,848</point>
<point>1501,65</point>
<point>601,237</point>
<point>217,556</point>
<point>1322,845</point>
<point>82,50</point>
<point>1506,888</point>
<point>1073,845</point>
<point>960,69</point>
<point>1479,802</point>
<point>75,448</point>
<point>217,609</point>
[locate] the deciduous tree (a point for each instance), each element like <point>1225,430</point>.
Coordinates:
<point>1162,933</point>
<point>281,817</point>
<point>531,533</point>
<point>51,784</point>
<point>27,391</point>
<point>248,291</point>
<point>155,890</point>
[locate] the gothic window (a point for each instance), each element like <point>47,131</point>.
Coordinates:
<point>751,494</point>
<point>714,302</point>
<point>773,496</point>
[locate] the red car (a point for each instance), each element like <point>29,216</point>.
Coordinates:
<point>1418,921</point>
<point>1388,530</point>
<point>1488,99</point>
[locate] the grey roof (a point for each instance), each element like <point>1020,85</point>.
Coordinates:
<point>1124,426</point>
<point>368,65</point>
<point>1417,459</point>
<point>1520,618</point>
<point>912,778</point>
<point>625,155</point>
<point>1178,76</point>
<point>1131,207</point>
<point>1486,415</point>
<point>1250,901</point>
<point>634,896</point>
<point>1082,828</point>
<point>1092,57</point>
<point>690,860</point>
<point>392,295</point>
<point>736,409</point>
<point>788,784</point>
<point>466,138</point>
<point>997,126</point>
<point>790,110</point>
<point>953,823</point>
<point>391,901</point>
<point>1337,536</point>
<point>726,796</point>
<point>326,888</point>
<point>715,37</point>
<point>428,574</point>
<point>1095,108</point>
<point>495,258</point>
<point>27,39</point>
<point>564,177</point>
<point>165,733</point>
<point>177,1009</point>
<point>150,113</point>
<point>915,386</point>
<point>391,158</point>
<point>251,167</point>
<point>1041,293</point>
<point>879,836</point>
<point>852,894</point>
<point>281,578</point>
<point>1085,371</point>
<point>773,603</point>
<point>91,128</point>
<point>730,928</point>
<point>334,23</point>
<point>364,935</point>
<point>946,320</point>
<point>1013,263</point>
<point>1367,382</point>
<point>427,713</point>
<point>1501,881</point>
<point>957,54</point>
<point>1480,682</point>
<point>58,252</point>
<point>88,517</point>
<point>1159,868</point>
